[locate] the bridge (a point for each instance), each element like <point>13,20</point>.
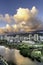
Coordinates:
<point>2,61</point>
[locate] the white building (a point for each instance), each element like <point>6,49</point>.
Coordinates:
<point>41,38</point>
<point>36,37</point>
<point>30,36</point>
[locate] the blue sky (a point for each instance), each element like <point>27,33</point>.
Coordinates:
<point>10,7</point>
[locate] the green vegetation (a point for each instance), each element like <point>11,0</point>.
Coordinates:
<point>36,54</point>
<point>34,51</point>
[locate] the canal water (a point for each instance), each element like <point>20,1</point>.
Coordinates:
<point>14,56</point>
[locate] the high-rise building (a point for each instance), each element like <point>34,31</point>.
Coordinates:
<point>36,37</point>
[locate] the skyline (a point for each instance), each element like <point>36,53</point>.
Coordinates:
<point>21,15</point>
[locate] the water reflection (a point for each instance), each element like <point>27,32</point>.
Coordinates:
<point>14,56</point>
<point>8,54</point>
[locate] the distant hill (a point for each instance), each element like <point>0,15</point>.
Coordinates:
<point>40,32</point>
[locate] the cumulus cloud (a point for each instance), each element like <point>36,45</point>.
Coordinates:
<point>26,20</point>
<point>1,17</point>
<point>8,28</point>
<point>2,31</point>
<point>34,10</point>
<point>15,28</point>
<point>7,18</point>
<point>25,14</point>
